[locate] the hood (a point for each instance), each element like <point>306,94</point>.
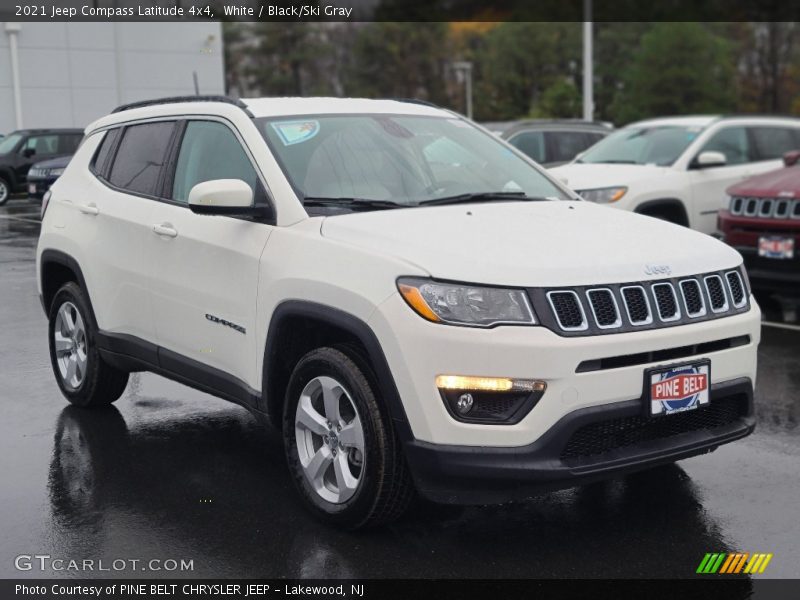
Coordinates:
<point>781,183</point>
<point>54,163</point>
<point>522,244</point>
<point>590,176</point>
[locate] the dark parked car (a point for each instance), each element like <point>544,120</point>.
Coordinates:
<point>551,142</point>
<point>44,174</point>
<point>21,149</point>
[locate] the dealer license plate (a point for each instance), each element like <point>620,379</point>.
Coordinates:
<point>781,248</point>
<point>31,188</point>
<point>677,388</point>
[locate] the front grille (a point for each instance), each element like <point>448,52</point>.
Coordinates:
<point>624,307</point>
<point>637,305</point>
<point>736,287</point>
<point>765,208</point>
<point>604,308</point>
<point>666,302</point>
<point>599,438</point>
<point>716,293</point>
<point>568,310</point>
<point>693,298</point>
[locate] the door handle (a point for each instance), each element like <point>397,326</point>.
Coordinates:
<point>165,229</point>
<point>89,209</point>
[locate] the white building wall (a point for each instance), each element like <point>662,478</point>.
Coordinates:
<point>73,73</point>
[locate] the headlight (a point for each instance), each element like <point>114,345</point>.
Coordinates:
<point>463,304</point>
<point>603,195</point>
<point>56,172</point>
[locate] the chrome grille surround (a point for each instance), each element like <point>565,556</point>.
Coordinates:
<point>584,323</point>
<point>693,283</point>
<point>641,305</point>
<point>593,297</point>
<point>765,208</point>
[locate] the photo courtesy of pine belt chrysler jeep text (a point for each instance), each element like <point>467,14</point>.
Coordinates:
<point>414,303</point>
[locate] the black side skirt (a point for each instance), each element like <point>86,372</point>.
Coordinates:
<point>130,353</point>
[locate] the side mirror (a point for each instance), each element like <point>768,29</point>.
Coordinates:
<point>28,152</point>
<point>710,158</point>
<point>222,197</point>
<point>790,158</point>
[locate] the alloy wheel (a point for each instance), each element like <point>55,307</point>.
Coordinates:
<point>330,439</point>
<point>69,337</point>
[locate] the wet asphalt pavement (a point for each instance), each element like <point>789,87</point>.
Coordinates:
<point>171,473</point>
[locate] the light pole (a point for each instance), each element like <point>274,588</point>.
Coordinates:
<point>464,70</point>
<point>588,66</point>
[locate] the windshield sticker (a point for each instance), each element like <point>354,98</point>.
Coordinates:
<point>295,132</point>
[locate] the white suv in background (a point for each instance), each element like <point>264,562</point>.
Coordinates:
<point>678,168</point>
<point>413,302</point>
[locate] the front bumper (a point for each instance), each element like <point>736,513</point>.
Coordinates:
<point>585,445</point>
<point>37,188</point>
<point>580,372</point>
<point>771,275</point>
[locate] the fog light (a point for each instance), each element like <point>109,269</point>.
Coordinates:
<point>464,403</point>
<point>499,400</point>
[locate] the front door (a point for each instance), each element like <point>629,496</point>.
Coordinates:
<point>205,268</point>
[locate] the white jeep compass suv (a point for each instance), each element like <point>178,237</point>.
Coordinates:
<point>413,302</point>
<point>678,168</point>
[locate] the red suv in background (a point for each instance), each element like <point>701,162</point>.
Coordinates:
<point>762,222</point>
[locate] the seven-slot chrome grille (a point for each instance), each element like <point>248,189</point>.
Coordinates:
<point>616,308</point>
<point>765,208</point>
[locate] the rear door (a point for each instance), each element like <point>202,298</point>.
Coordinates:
<point>128,168</point>
<point>205,268</point>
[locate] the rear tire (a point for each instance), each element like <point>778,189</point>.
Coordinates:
<point>83,376</point>
<point>343,454</point>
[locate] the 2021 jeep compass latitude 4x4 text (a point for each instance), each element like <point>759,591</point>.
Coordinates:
<point>415,304</point>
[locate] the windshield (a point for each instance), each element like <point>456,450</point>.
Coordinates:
<point>398,160</point>
<point>7,144</point>
<point>660,145</point>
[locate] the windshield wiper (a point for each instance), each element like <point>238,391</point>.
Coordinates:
<point>611,161</point>
<point>479,197</point>
<point>352,203</point>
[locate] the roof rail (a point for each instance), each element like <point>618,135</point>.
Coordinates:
<point>177,99</point>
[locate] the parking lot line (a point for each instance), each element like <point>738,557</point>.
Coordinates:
<point>781,325</point>
<point>22,217</point>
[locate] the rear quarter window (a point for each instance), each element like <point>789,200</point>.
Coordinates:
<point>141,157</point>
<point>99,164</point>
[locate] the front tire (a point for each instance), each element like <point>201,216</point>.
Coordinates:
<point>341,448</point>
<point>5,191</point>
<point>83,376</point>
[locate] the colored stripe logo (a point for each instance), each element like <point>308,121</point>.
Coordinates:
<point>733,563</point>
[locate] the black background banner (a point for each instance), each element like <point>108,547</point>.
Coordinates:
<point>399,10</point>
<point>706,587</point>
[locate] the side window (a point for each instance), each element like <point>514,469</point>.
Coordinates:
<point>41,145</point>
<point>531,143</point>
<point>141,157</point>
<point>773,142</point>
<point>565,145</point>
<point>733,143</point>
<point>210,150</point>
<point>101,156</point>
<point>68,143</point>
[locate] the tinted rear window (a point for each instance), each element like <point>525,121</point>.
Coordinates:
<point>141,157</point>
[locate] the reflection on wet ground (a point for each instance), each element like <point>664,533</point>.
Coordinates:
<point>172,473</point>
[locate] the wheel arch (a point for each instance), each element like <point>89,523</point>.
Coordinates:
<point>55,269</point>
<point>298,326</point>
<point>672,206</point>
